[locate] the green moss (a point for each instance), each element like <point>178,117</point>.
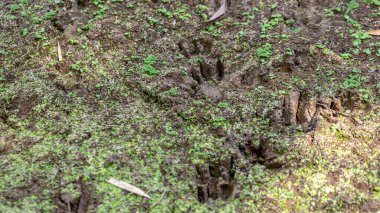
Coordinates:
<point>98,114</point>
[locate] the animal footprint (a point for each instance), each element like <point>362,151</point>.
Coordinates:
<point>202,48</point>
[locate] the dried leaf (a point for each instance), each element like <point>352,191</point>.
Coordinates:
<point>220,12</point>
<point>59,53</point>
<point>374,32</point>
<point>128,187</point>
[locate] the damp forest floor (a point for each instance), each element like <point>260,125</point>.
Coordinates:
<point>272,107</point>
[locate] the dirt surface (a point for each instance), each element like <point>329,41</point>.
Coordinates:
<point>273,107</point>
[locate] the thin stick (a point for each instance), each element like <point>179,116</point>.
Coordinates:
<point>220,12</point>
<point>128,187</point>
<point>59,53</point>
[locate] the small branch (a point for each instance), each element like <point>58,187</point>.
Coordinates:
<point>220,12</point>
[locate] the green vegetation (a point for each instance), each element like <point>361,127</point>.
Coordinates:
<point>264,52</point>
<point>148,67</point>
<point>173,91</point>
<point>197,114</point>
<point>269,25</point>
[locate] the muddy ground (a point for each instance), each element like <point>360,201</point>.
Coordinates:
<point>273,107</point>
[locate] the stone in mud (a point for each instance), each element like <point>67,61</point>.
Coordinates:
<point>211,92</point>
<point>291,108</point>
<point>175,79</point>
<point>187,85</point>
<point>306,110</point>
<point>236,79</point>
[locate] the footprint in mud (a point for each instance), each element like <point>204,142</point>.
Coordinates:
<point>215,180</point>
<point>210,69</point>
<point>261,153</point>
<point>203,48</point>
<point>300,108</point>
<point>68,202</point>
<point>70,14</point>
